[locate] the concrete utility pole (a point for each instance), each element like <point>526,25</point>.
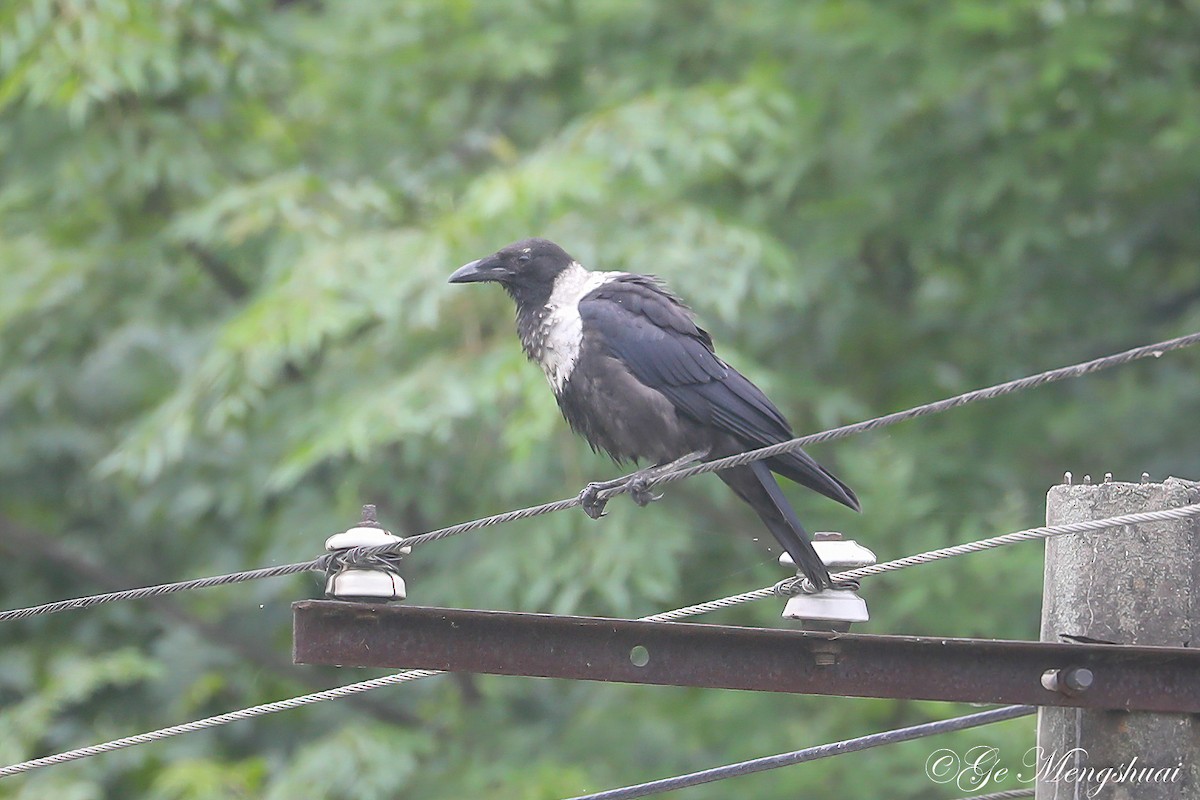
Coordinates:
<point>1140,585</point>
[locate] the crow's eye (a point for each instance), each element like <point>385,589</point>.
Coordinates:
<point>523,258</point>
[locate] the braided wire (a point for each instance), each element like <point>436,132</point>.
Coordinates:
<point>484,522</point>
<point>812,753</point>
<point>793,586</point>
<point>988,393</point>
<point>159,589</point>
<point>213,722</point>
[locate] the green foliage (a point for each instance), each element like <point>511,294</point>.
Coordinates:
<point>225,229</point>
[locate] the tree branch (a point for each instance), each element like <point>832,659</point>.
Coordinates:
<point>221,273</point>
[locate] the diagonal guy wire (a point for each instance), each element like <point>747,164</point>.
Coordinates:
<point>812,753</point>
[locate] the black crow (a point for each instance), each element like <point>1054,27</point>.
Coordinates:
<point>637,378</point>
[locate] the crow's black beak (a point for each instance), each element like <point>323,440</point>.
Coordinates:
<point>477,271</point>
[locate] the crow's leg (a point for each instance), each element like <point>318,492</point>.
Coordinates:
<point>637,485</point>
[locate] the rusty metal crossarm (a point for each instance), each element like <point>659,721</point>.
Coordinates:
<point>1164,679</point>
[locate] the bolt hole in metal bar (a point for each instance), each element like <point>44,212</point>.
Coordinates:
<point>639,656</point>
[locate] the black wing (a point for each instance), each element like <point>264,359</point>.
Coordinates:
<point>655,335</point>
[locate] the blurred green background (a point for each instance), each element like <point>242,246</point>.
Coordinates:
<point>225,229</point>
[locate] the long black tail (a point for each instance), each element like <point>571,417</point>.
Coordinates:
<point>800,467</point>
<point>756,485</point>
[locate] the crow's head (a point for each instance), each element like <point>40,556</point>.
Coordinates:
<point>527,268</point>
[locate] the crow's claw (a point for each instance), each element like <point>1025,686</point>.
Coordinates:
<point>638,486</point>
<point>589,498</point>
<point>640,492</point>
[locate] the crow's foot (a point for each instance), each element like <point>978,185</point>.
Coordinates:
<point>639,491</point>
<point>591,501</point>
<point>639,485</point>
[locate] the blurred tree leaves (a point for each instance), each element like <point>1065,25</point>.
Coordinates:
<point>224,233</point>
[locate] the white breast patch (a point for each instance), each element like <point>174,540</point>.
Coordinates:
<point>561,329</point>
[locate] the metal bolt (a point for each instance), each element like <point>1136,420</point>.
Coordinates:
<point>827,536</point>
<point>1145,477</point>
<point>1087,480</point>
<point>1067,478</point>
<point>1070,681</point>
<point>1108,477</point>
<point>369,517</point>
<point>1079,680</point>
